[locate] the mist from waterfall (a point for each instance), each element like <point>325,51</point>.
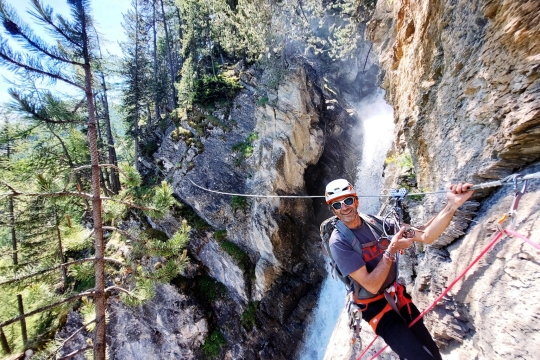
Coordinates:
<point>378,130</point>
<point>377,124</point>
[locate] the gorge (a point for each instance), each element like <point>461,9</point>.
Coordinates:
<point>462,78</point>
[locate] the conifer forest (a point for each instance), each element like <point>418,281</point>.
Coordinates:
<point>76,201</point>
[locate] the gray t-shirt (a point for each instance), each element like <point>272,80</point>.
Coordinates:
<point>348,260</point>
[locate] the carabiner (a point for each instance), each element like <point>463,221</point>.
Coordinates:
<point>517,196</point>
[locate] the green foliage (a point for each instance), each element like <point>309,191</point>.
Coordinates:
<point>40,326</point>
<point>131,177</point>
<point>209,289</point>
<point>149,148</point>
<point>241,258</point>
<point>180,134</point>
<point>239,203</point>
<point>113,210</point>
<point>192,218</point>
<point>211,89</point>
<point>416,197</point>
<point>263,100</point>
<point>220,235</point>
<point>249,316</point>
<point>154,234</point>
<point>163,199</point>
<point>403,160</point>
<point>213,344</point>
<point>245,148</point>
<point>144,290</point>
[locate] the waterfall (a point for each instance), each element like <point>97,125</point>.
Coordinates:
<point>377,126</point>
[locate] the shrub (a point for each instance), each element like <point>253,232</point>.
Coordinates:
<point>249,317</point>
<point>245,148</point>
<point>238,203</point>
<point>192,218</point>
<point>210,89</point>
<point>241,258</point>
<point>180,134</point>
<point>210,289</point>
<point>213,344</point>
<point>220,235</point>
<point>263,101</point>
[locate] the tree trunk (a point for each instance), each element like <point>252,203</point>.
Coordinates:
<point>60,250</point>
<point>171,66</point>
<point>23,320</point>
<point>104,173</point>
<point>156,107</point>
<point>12,221</point>
<point>111,150</point>
<point>136,120</point>
<point>4,342</point>
<point>100,299</point>
<point>13,235</point>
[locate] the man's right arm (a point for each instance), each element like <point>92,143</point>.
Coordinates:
<point>373,281</point>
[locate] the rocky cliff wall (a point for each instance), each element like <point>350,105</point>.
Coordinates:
<point>463,79</point>
<point>286,128</point>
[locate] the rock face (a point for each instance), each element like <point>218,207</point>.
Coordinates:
<point>463,79</point>
<point>278,235</point>
<point>170,326</point>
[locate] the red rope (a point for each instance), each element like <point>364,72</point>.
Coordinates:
<point>518,235</point>
<point>495,238</point>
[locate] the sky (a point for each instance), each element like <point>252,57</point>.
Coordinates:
<point>108,21</point>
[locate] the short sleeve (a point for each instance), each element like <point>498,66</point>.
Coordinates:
<point>344,255</point>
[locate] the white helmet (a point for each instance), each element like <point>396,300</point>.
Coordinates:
<point>337,189</point>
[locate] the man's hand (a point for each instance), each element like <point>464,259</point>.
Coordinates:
<point>458,194</point>
<point>399,242</point>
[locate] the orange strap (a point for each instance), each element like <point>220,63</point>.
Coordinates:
<point>367,301</point>
<point>375,321</point>
<point>402,301</point>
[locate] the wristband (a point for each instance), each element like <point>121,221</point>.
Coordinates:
<point>387,254</point>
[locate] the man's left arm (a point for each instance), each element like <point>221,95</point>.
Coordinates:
<point>458,194</point>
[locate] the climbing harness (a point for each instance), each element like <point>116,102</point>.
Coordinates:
<point>516,179</point>
<point>358,298</point>
<point>509,180</point>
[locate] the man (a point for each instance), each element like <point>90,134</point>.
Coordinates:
<point>374,270</point>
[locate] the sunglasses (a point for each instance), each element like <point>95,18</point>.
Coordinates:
<point>347,201</point>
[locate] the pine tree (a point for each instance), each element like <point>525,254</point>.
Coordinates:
<point>70,61</point>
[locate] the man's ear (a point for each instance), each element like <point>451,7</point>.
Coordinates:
<point>356,201</point>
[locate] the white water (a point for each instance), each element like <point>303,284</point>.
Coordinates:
<point>377,129</point>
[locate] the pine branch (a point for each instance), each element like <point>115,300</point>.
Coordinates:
<point>111,260</point>
<point>45,308</point>
<point>72,354</point>
<point>121,232</point>
<point>72,336</point>
<point>27,107</point>
<point>124,291</point>
<point>18,30</point>
<point>12,61</point>
<point>131,205</point>
<point>16,193</point>
<point>45,15</point>
<point>88,167</point>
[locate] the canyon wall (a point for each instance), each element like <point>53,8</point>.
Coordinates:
<point>463,79</point>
